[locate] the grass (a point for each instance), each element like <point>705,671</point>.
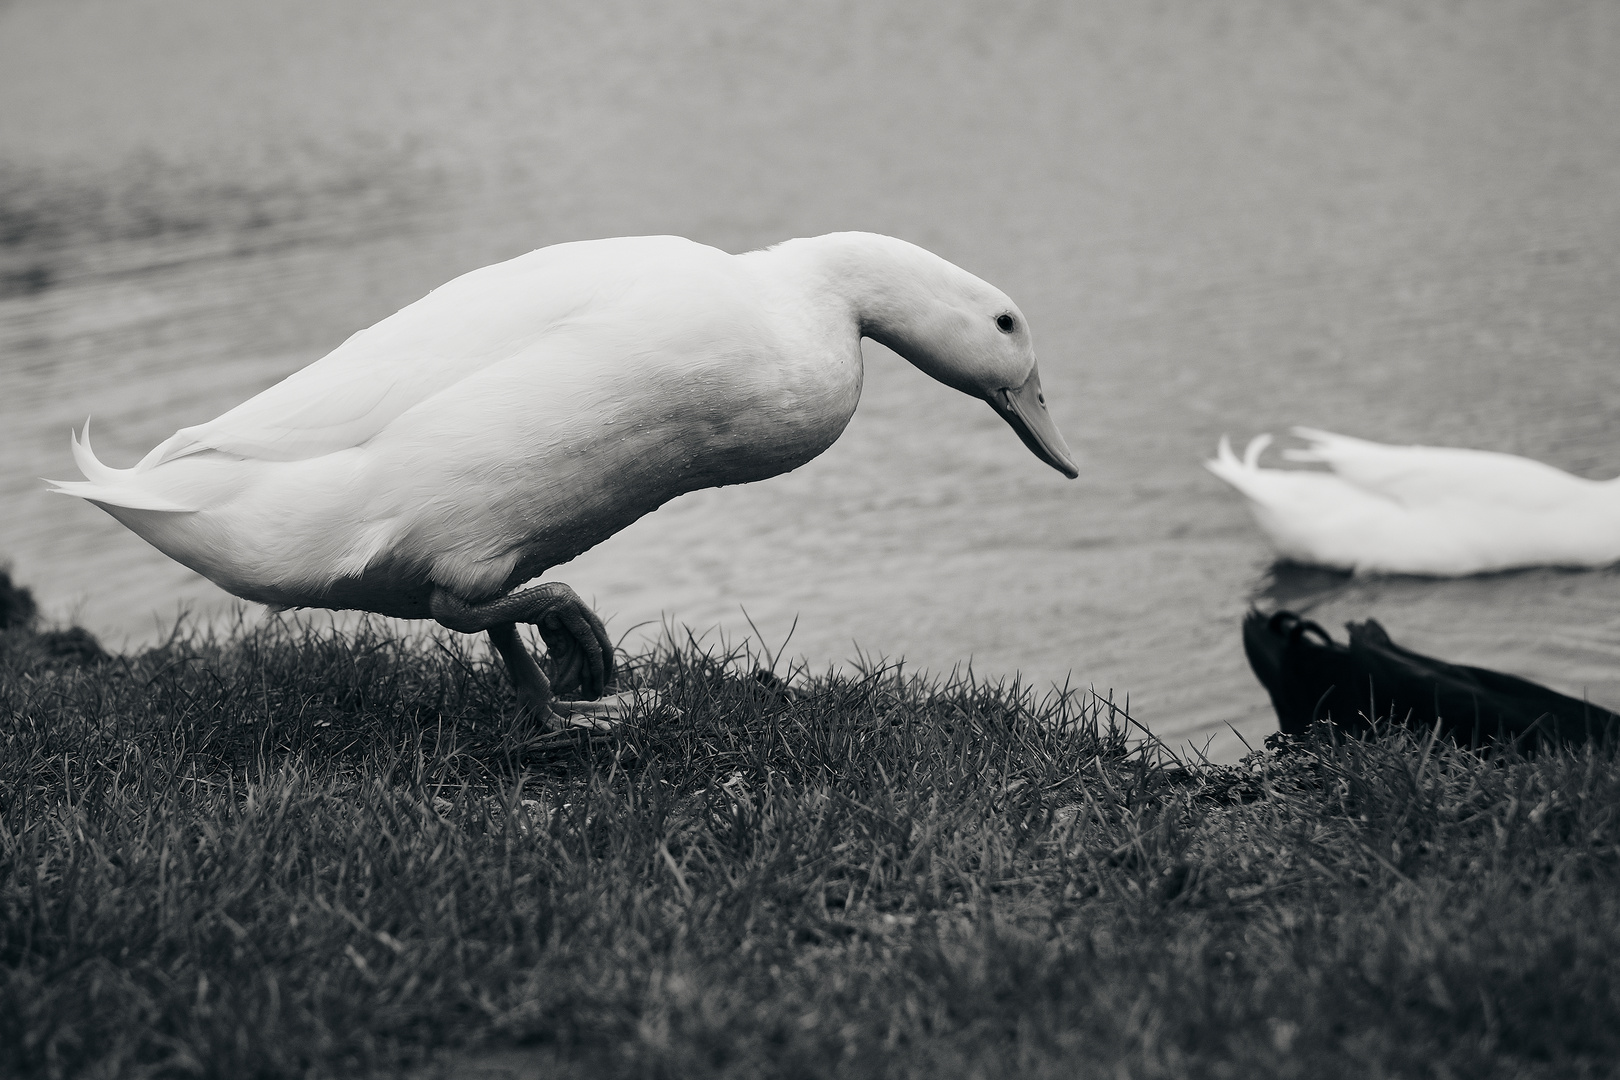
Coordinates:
<point>285,852</point>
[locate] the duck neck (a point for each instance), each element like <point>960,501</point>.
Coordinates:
<point>891,290</point>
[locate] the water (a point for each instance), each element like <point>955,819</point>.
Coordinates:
<point>1385,219</point>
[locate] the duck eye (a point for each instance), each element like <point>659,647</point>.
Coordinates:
<point>1006,323</point>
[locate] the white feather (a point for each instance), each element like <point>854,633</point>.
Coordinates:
<point>1424,510</point>
<point>104,484</point>
<point>526,411</point>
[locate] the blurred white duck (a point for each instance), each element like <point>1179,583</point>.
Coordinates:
<point>1423,509</point>
<point>526,411</point>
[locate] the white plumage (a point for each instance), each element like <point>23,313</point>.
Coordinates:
<point>1423,510</point>
<point>526,411</point>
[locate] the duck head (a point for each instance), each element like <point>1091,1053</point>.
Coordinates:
<point>955,327</point>
<point>984,350</point>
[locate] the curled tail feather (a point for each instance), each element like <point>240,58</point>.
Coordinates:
<point>108,486</point>
<point>1228,467</point>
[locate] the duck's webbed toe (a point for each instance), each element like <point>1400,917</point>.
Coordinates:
<point>604,713</point>
<point>578,648</point>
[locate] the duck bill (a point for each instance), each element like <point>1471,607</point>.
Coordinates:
<point>1025,409</point>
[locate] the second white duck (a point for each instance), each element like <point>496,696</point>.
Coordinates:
<point>1425,510</point>
<point>527,411</point>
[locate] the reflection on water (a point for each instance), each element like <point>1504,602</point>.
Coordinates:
<point>1384,222</point>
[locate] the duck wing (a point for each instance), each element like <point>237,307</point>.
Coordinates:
<point>1421,476</point>
<point>458,330</point>
<point>310,413</point>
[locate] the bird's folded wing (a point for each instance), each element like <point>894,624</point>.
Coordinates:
<point>1419,476</point>
<point>315,411</point>
<point>352,393</point>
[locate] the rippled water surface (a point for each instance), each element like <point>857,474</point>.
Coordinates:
<point>1384,219</point>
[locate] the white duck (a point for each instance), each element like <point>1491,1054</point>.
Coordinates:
<point>1423,509</point>
<point>526,411</point>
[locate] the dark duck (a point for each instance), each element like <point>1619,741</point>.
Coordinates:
<point>1311,678</point>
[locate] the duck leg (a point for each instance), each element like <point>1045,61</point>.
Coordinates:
<point>576,641</point>
<point>532,686</point>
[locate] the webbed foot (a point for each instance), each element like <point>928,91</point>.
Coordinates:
<point>605,713</point>
<point>576,641</point>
